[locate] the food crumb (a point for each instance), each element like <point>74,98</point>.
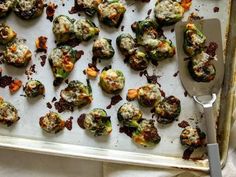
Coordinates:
<point>114,100</point>
<point>50,10</point>
<point>54,99</point>
<point>41,44</point>
<point>30,71</point>
<point>183,124</point>
<point>62,106</point>
<point>68,123</point>
<point>176,74</point>
<point>15,86</point>
<point>216,9</point>
<point>49,106</point>
<point>43,60</point>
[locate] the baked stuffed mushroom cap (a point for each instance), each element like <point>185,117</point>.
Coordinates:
<point>194,40</point>
<point>112,81</point>
<point>28,9</point>
<point>77,94</point>
<point>89,7</point>
<point>111,12</point>
<point>192,137</point>
<point>6,34</point>
<point>125,43</point>
<point>201,69</point>
<point>168,12</point>
<point>138,60</point>
<point>63,28</point>
<point>6,6</point>
<point>8,113</point>
<point>168,110</point>
<point>34,88</point>
<point>149,95</point>
<point>164,49</point>
<point>146,134</point>
<point>97,122</point>
<point>102,49</point>
<point>129,115</point>
<point>62,60</point>
<point>85,29</point>
<point>52,122</point>
<point>17,54</point>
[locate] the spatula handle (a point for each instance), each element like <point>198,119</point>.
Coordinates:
<point>214,160</point>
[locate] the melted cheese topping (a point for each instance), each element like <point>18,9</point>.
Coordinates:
<point>150,91</point>
<point>127,44</point>
<point>8,112</point>
<point>26,5</point>
<point>86,3</point>
<point>103,45</point>
<point>129,111</point>
<point>200,60</point>
<point>112,80</point>
<point>62,25</point>
<point>5,5</point>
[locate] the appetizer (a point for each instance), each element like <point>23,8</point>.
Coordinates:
<point>77,94</point>
<point>194,40</point>
<point>6,6</point>
<point>168,110</point>
<point>63,28</point>
<point>90,7</point>
<point>102,49</point>
<point>8,113</point>
<point>62,60</point>
<point>192,137</point>
<point>97,122</point>
<point>28,9</point>
<point>138,60</point>
<point>126,44</point>
<point>52,122</point>
<point>129,115</point>
<point>111,12</point>
<point>146,134</point>
<point>201,69</point>
<point>17,53</point>
<point>34,88</point>
<point>6,34</point>
<point>112,81</point>
<point>149,95</point>
<point>85,29</point>
<point>168,12</point>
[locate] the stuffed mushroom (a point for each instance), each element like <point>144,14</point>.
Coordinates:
<point>168,12</point>
<point>89,7</point>
<point>111,12</point>
<point>194,40</point>
<point>112,81</point>
<point>129,115</point>
<point>63,28</point>
<point>62,60</point>
<point>28,9</point>
<point>146,134</point>
<point>8,113</point>
<point>192,137</point>
<point>201,69</point>
<point>138,60</point>
<point>52,122</point>
<point>97,122</point>
<point>85,29</point>
<point>149,95</point>
<point>6,34</point>
<point>77,94</point>
<point>34,88</point>
<point>102,49</point>
<point>168,110</point>
<point>17,54</point>
<point>125,43</point>
<point>6,6</point>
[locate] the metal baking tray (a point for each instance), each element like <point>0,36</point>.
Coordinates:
<point>26,135</point>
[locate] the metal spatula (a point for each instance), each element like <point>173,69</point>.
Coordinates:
<point>212,30</point>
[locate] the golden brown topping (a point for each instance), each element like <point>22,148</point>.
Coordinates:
<point>132,94</point>
<point>15,86</point>
<point>41,43</point>
<point>91,72</point>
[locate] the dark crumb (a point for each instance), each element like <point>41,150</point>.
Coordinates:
<point>73,10</point>
<point>216,9</point>
<point>197,10</point>
<point>84,72</point>
<point>150,79</point>
<point>23,95</point>
<point>149,12</point>
<point>68,123</point>
<point>80,121</point>
<point>155,63</point>
<point>49,106</point>
<point>62,106</point>
<point>41,44</point>
<point>50,10</point>
<point>211,49</point>
<point>163,94</point>
<point>183,124</point>
<point>63,4</point>
<point>122,28</point>
<point>72,43</point>
<point>114,100</point>
<point>172,30</point>
<point>92,65</point>
<point>43,60</point>
<point>30,71</point>
<point>194,16</point>
<point>185,93</point>
<point>176,74</point>
<point>133,10</point>
<point>5,80</point>
<point>106,68</point>
<point>54,99</point>
<point>79,54</point>
<point>66,81</point>
<point>187,153</point>
<point>127,130</point>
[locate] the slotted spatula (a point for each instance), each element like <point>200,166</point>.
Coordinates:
<point>211,28</point>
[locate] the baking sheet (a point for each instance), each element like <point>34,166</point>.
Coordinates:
<point>27,135</point>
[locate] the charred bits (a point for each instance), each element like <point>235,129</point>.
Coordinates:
<point>183,124</point>
<point>114,100</point>
<point>50,10</point>
<point>150,79</point>
<point>68,123</point>
<point>80,121</point>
